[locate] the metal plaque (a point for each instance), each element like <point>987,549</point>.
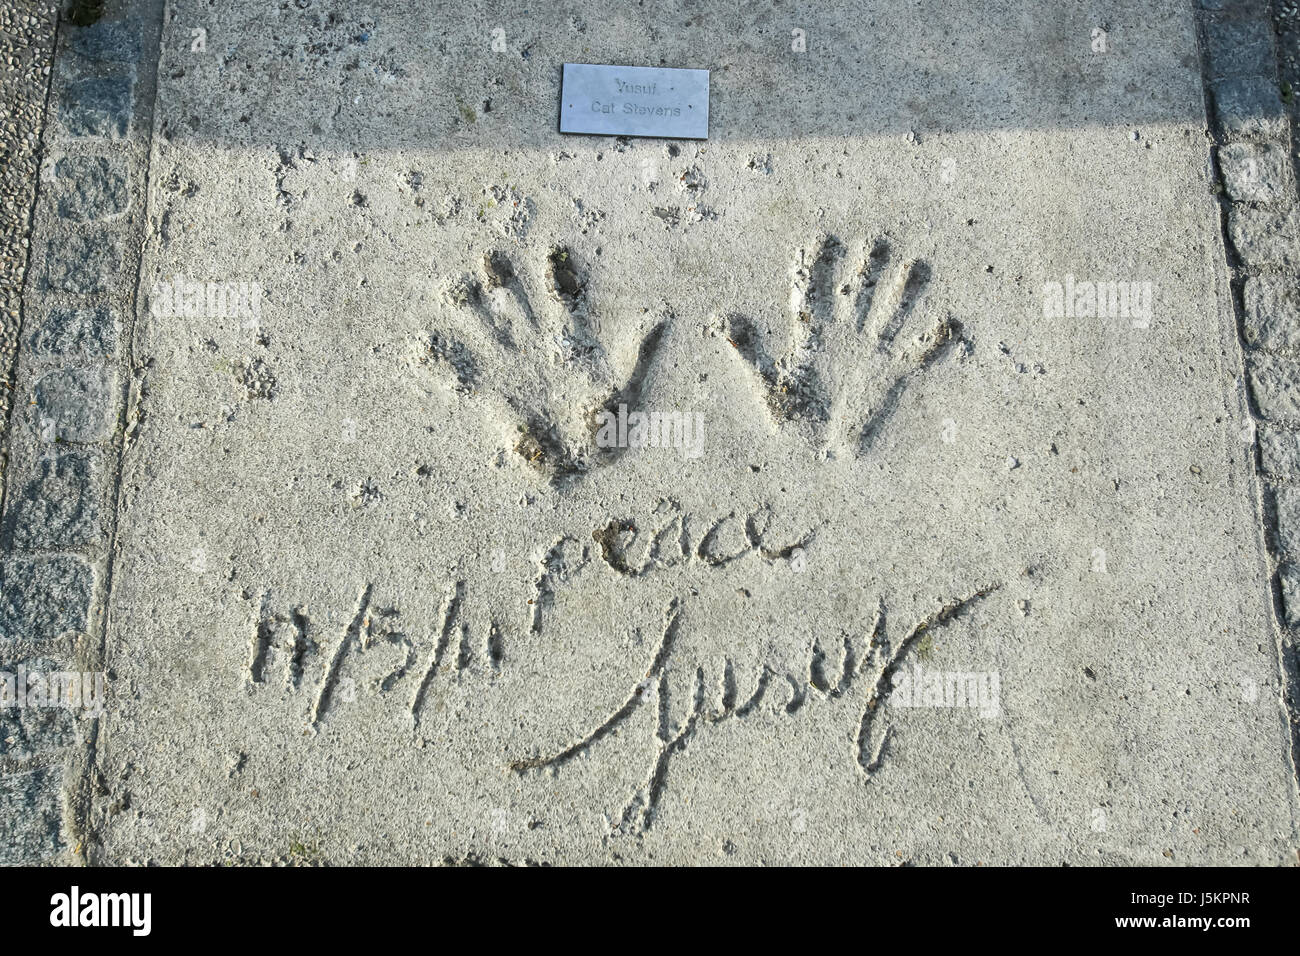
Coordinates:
<point>634,101</point>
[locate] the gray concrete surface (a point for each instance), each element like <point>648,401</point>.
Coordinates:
<point>955,565</point>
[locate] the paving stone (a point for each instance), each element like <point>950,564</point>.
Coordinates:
<point>58,509</point>
<point>76,333</point>
<point>1288,522</point>
<point>1289,578</point>
<point>44,597</point>
<point>28,732</point>
<point>83,263</point>
<point>75,405</point>
<point>31,816</point>
<point>1275,385</point>
<point>1279,450</point>
<point>108,40</point>
<point>1265,237</point>
<point>1256,172</point>
<point>91,187</point>
<point>1240,46</point>
<point>1249,106</point>
<point>98,105</point>
<point>1272,312</point>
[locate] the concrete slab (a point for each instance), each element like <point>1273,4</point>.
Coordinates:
<point>949,548</point>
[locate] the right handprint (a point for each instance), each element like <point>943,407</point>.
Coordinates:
<point>851,350</point>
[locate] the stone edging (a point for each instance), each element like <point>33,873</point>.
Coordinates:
<point>70,390</point>
<point>1252,157</point>
<point>26,51</point>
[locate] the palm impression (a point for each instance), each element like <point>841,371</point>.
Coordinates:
<point>851,349</point>
<point>534,356</point>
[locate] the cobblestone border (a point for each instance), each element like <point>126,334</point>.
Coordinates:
<point>1261,216</point>
<point>70,390</point>
<point>26,51</point>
